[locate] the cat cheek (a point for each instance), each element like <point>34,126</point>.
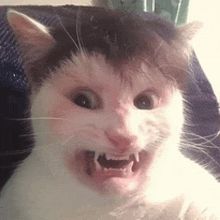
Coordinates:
<point>60,117</point>
<point>167,97</point>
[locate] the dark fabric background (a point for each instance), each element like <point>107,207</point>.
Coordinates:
<point>13,98</point>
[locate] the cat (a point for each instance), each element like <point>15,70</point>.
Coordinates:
<point>107,113</point>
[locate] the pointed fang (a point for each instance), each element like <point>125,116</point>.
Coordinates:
<point>129,167</point>
<point>98,166</point>
<point>136,155</point>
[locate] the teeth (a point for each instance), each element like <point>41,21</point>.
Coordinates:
<point>136,155</point>
<point>96,156</point>
<point>116,169</point>
<point>129,167</point>
<point>112,157</point>
<point>98,166</point>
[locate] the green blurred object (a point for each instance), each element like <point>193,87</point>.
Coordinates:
<point>174,10</point>
<point>128,5</point>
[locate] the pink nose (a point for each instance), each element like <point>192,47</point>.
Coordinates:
<point>121,143</point>
<point>119,131</point>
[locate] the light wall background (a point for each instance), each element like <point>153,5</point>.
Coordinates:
<point>207,41</point>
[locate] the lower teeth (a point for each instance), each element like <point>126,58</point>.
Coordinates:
<point>93,164</point>
<point>127,168</point>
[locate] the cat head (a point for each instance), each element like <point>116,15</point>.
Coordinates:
<point>107,84</point>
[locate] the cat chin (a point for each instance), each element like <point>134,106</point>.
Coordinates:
<point>125,180</point>
<point>117,186</point>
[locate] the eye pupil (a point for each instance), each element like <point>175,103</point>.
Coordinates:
<point>83,101</point>
<point>144,102</point>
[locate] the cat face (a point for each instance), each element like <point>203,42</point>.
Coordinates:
<point>102,130</point>
<point>107,117</point>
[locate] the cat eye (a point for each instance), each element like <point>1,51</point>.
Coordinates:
<point>86,99</point>
<point>147,100</point>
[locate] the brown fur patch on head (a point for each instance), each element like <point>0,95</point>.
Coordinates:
<point>122,38</point>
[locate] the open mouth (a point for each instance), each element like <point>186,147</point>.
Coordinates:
<point>110,173</point>
<point>104,165</point>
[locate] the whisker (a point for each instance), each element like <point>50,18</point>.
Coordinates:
<point>38,134</point>
<point>191,145</point>
<point>205,139</point>
<point>213,136</point>
<point>78,35</point>
<point>16,152</point>
<point>207,154</point>
<point>39,118</point>
<point>60,21</point>
<point>68,139</point>
<point>201,147</point>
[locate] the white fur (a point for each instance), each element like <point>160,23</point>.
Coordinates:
<point>43,188</point>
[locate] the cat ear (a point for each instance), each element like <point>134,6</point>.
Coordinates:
<point>34,38</point>
<point>184,36</point>
<point>174,58</point>
<point>188,31</point>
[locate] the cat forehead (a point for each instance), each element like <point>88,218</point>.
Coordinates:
<point>94,70</point>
